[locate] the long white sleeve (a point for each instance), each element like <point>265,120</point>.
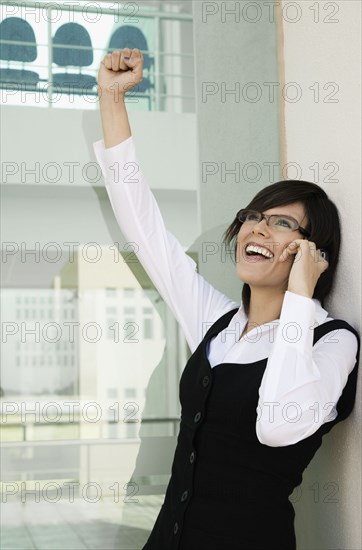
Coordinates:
<point>302,383</point>
<point>194,302</point>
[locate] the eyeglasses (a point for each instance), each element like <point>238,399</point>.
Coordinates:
<point>277,221</point>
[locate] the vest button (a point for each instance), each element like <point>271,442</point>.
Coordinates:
<point>205,381</point>
<point>184,496</point>
<point>175,528</point>
<point>192,457</point>
<point>197,417</point>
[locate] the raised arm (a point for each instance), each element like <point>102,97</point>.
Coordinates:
<point>194,302</point>
<point>116,76</point>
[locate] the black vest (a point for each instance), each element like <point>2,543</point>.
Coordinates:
<point>228,490</point>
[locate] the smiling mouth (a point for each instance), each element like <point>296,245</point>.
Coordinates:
<point>254,253</point>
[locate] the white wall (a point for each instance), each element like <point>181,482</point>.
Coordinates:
<point>57,144</point>
<point>233,131</point>
<point>231,49</point>
<point>315,54</point>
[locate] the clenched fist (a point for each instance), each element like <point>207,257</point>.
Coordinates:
<point>117,74</point>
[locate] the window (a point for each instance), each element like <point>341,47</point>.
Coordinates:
<point>128,292</point>
<point>147,328</point>
<point>112,393</point>
<point>130,392</point>
<point>129,314</point>
<point>107,373</point>
<point>111,292</point>
<point>148,323</point>
<point>111,328</point>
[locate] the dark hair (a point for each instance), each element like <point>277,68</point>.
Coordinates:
<point>323,225</point>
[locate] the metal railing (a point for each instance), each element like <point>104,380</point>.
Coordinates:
<point>27,472</point>
<point>155,95</point>
<point>25,441</point>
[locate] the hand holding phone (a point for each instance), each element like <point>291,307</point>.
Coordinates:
<point>308,265</point>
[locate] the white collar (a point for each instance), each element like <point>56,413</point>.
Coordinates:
<point>320,314</point>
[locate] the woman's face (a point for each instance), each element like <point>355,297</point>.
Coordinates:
<point>268,272</point>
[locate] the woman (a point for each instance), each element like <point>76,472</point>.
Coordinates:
<point>270,377</point>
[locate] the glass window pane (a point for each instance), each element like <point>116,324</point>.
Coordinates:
<point>89,388</point>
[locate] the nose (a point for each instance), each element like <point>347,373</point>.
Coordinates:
<point>259,228</point>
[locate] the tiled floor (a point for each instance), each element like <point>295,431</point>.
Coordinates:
<point>78,525</point>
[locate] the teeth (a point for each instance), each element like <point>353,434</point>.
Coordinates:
<point>263,251</point>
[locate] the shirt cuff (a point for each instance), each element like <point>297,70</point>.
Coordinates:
<point>297,321</point>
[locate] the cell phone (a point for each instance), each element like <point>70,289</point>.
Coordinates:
<point>325,254</point>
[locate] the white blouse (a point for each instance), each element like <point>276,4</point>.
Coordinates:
<point>301,383</point>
